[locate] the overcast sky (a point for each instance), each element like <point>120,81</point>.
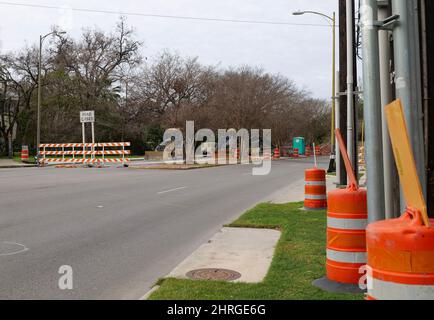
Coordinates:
<point>302,53</point>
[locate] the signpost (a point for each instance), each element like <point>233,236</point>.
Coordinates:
<point>88,117</point>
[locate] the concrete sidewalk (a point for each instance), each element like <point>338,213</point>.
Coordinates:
<point>10,164</point>
<point>247,251</point>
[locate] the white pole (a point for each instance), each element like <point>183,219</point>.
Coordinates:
<point>84,139</point>
<point>314,156</point>
<point>93,140</point>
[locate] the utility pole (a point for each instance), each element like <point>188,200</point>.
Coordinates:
<point>405,65</point>
<point>391,183</point>
<point>427,14</point>
<point>350,82</point>
<point>372,110</point>
<point>342,83</point>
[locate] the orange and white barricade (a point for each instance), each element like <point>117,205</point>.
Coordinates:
<point>308,151</point>
<point>315,189</point>
<point>401,259</point>
<point>24,154</point>
<point>88,153</point>
<point>347,218</point>
<point>276,154</point>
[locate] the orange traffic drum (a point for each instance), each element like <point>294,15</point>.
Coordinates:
<point>315,189</point>
<point>401,259</point>
<point>347,219</point>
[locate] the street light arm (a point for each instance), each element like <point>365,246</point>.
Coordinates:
<point>57,33</point>
<point>315,12</point>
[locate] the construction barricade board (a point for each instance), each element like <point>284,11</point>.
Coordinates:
<point>88,153</point>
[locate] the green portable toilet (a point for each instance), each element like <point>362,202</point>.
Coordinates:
<point>300,144</point>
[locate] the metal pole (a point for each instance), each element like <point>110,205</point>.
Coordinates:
<point>350,81</point>
<point>333,144</point>
<point>372,110</point>
<point>416,84</point>
<point>83,130</point>
<point>391,183</point>
<point>93,140</point>
<point>404,56</point>
<point>342,82</point>
<point>38,124</point>
<point>338,126</point>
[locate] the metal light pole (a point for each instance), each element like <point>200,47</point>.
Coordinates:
<point>38,126</point>
<point>334,97</point>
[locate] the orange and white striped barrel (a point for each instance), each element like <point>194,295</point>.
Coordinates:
<point>315,189</point>
<point>308,151</point>
<point>401,259</point>
<point>296,153</point>
<point>317,151</point>
<point>24,153</point>
<point>276,153</point>
<point>347,218</point>
<point>267,154</point>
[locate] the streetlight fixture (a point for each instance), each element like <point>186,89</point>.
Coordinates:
<point>38,127</point>
<point>333,20</point>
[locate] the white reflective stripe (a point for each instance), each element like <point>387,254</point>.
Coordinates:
<point>315,197</point>
<point>316,183</point>
<point>382,290</point>
<point>346,257</point>
<point>347,224</point>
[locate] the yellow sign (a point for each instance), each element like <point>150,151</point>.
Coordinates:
<point>405,160</point>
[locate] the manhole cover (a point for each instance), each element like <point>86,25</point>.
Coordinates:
<point>214,274</point>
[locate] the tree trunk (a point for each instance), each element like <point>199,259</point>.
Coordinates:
<point>10,146</point>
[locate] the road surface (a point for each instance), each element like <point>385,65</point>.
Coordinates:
<point>119,229</point>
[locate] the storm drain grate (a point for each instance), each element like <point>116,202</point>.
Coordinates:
<point>214,274</point>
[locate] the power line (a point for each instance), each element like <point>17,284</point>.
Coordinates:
<point>137,14</point>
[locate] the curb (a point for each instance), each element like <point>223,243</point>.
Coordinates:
<point>149,293</point>
<point>19,167</point>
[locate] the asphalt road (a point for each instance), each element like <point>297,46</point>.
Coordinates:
<point>119,229</point>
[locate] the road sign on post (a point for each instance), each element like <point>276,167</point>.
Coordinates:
<point>88,117</point>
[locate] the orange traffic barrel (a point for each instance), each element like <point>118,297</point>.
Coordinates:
<point>317,150</point>
<point>308,151</point>
<point>401,258</point>
<point>276,153</point>
<point>267,154</point>
<point>296,154</point>
<point>25,154</point>
<point>347,218</point>
<point>315,189</point>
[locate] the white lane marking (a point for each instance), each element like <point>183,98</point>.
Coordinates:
<point>24,249</point>
<point>172,190</point>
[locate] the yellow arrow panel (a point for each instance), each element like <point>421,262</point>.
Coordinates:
<point>404,157</point>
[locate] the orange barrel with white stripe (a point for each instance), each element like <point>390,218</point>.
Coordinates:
<point>308,151</point>
<point>276,153</point>
<point>315,189</point>
<point>317,150</point>
<point>24,153</point>
<point>347,218</point>
<point>401,258</point>
<point>296,154</point>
